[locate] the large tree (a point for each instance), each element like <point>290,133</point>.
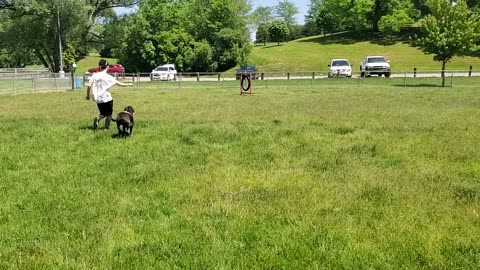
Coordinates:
<point>278,31</point>
<point>42,25</point>
<point>201,35</point>
<point>286,11</point>
<point>452,29</point>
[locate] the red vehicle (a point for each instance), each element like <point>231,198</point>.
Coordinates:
<point>112,68</point>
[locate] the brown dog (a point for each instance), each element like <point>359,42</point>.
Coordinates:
<point>125,120</point>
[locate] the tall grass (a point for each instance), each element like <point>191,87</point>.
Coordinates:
<point>293,177</point>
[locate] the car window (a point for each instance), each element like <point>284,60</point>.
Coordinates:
<point>340,63</point>
<point>161,69</point>
<point>376,60</point>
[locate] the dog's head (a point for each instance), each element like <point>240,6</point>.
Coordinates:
<point>129,109</point>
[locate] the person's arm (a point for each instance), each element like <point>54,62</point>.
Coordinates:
<point>89,89</point>
<point>124,84</point>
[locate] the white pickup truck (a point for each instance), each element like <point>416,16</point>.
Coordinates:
<point>375,65</point>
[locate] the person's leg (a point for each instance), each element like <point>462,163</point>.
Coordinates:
<point>99,117</point>
<point>108,110</point>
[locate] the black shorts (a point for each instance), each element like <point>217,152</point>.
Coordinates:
<point>105,108</point>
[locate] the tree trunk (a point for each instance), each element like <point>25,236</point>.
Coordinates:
<point>443,73</point>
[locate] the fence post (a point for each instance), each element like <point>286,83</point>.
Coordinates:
<point>261,75</point>
<point>414,72</point>
<point>56,83</point>
<point>219,76</point>
<point>313,75</point>
<point>470,72</point>
<point>33,83</point>
<point>73,78</point>
<point>15,82</point>
<point>198,76</point>
<point>288,75</point>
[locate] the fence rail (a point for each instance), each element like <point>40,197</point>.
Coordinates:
<point>31,81</point>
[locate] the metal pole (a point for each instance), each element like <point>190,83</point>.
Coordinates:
<point>60,41</point>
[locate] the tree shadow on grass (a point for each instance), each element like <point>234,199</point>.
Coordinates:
<point>422,85</point>
<point>272,46</point>
<point>352,37</point>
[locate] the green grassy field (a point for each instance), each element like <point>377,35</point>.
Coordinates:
<point>294,177</point>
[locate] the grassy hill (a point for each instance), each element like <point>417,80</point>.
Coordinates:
<point>314,53</point>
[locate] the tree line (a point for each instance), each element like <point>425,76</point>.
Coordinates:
<point>214,35</point>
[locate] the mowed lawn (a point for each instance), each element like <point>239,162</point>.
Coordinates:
<point>294,177</point>
<point>315,53</point>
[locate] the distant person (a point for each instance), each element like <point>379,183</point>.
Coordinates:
<point>99,85</point>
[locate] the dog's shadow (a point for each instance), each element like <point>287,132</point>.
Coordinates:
<point>114,136</point>
<point>87,128</point>
<point>120,136</point>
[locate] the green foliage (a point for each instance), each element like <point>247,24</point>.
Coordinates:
<point>262,16</point>
<point>262,35</point>
<point>385,15</point>
<point>278,31</point>
<point>35,26</point>
<point>175,31</point>
<point>286,11</point>
<point>69,55</point>
<point>450,30</point>
<point>393,23</point>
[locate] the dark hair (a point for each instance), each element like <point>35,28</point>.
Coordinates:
<point>103,64</point>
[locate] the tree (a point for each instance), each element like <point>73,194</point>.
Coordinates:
<point>286,11</point>
<point>262,15</point>
<point>36,28</point>
<point>192,34</point>
<point>260,19</point>
<point>262,35</point>
<point>452,29</point>
<point>278,31</point>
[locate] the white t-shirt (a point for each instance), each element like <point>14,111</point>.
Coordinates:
<point>101,82</point>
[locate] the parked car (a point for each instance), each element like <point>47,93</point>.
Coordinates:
<point>339,68</point>
<point>375,65</point>
<point>112,68</point>
<point>250,70</point>
<point>164,73</point>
